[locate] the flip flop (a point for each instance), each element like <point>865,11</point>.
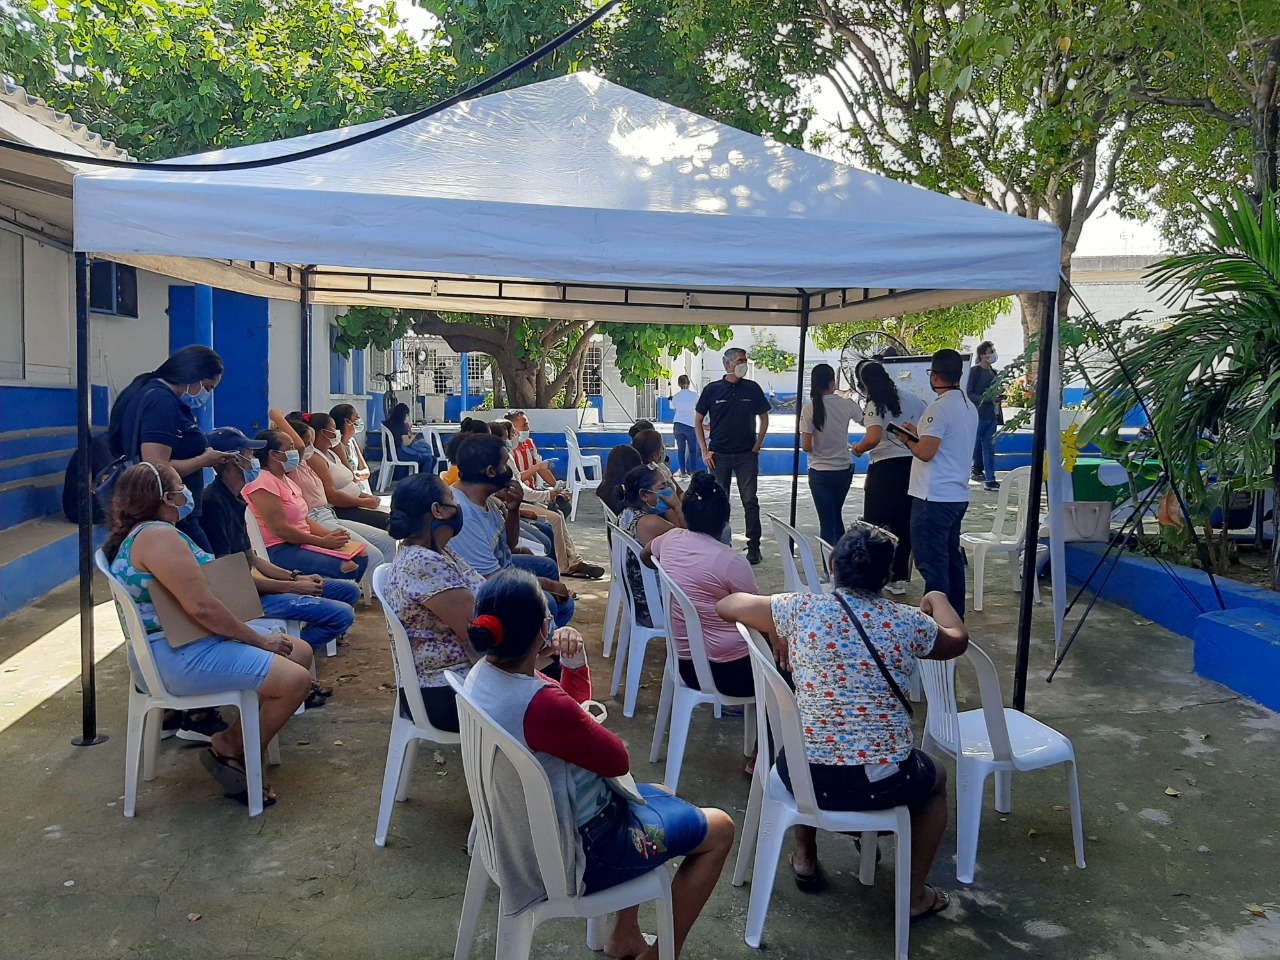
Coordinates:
<point>649,938</point>
<point>940,902</point>
<point>320,691</point>
<point>243,797</point>
<point>232,780</point>
<point>586,571</point>
<point>808,882</point>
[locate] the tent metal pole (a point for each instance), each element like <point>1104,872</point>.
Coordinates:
<point>1048,343</point>
<point>304,304</point>
<point>89,734</point>
<point>795,452</point>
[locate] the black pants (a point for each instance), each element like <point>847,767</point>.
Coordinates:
<point>935,536</point>
<point>732,678</point>
<point>886,504</point>
<point>374,518</point>
<point>829,489</point>
<point>746,466</point>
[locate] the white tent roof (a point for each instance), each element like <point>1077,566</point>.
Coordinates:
<point>571,198</point>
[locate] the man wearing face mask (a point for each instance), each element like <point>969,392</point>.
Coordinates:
<point>528,461</point>
<point>154,419</point>
<point>981,375</point>
<point>489,497</point>
<point>739,413</point>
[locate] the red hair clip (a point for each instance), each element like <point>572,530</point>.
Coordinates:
<point>306,417</point>
<point>491,623</point>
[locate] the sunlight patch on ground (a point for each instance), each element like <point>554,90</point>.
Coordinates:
<point>43,667</point>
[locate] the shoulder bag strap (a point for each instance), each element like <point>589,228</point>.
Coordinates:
<point>875,655</point>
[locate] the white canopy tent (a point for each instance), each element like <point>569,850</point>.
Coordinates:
<point>572,198</point>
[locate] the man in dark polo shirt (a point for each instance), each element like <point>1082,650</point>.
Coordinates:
<point>735,405</point>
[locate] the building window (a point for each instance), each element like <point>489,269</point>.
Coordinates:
<point>12,351</point>
<point>113,288</point>
<point>593,372</point>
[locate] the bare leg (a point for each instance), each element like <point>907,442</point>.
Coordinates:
<point>805,860</point>
<point>927,827</point>
<point>625,939</point>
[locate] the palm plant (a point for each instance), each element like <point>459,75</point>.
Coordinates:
<point>1212,375</point>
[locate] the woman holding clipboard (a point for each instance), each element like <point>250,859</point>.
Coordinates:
<point>293,540</point>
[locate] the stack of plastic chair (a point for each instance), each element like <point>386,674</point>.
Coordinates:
<point>584,473</point>
<point>1017,484</point>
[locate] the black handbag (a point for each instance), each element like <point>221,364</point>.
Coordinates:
<point>104,483</point>
<point>875,655</point>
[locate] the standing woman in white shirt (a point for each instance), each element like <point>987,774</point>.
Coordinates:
<point>824,433</point>
<point>688,455</point>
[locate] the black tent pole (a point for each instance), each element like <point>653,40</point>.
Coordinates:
<point>1048,344</point>
<point>88,677</point>
<point>795,453</point>
<point>304,304</point>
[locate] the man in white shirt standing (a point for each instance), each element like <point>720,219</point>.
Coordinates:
<point>687,452</point>
<point>940,479</point>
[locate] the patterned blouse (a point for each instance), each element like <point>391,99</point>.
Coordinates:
<point>415,576</point>
<point>138,584</point>
<point>848,711</point>
<point>630,524</point>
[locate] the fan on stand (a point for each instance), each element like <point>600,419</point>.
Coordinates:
<point>864,346</point>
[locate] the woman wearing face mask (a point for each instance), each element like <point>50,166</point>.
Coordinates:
<point>293,540</point>
<point>154,418</point>
<point>653,452</point>
<point>341,489</point>
<point>981,375</point>
<point>409,445</point>
<point>145,548</point>
<point>350,427</point>
<point>432,590</point>
<point>824,432</point>
<point>650,508</point>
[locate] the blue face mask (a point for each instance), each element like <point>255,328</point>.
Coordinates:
<point>663,505</point>
<point>251,473</point>
<point>184,511</point>
<point>291,461</point>
<point>199,400</point>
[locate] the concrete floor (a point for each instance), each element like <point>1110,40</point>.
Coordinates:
<point>192,876</point>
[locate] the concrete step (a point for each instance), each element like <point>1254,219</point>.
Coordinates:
<point>36,557</point>
<point>26,500</point>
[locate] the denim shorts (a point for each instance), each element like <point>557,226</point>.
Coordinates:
<point>210,665</point>
<point>847,788</point>
<point>627,840</point>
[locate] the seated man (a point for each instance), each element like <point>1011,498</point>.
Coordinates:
<point>490,501</point>
<point>324,606</point>
<point>529,464</point>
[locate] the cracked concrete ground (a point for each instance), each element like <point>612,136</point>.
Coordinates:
<point>192,876</point>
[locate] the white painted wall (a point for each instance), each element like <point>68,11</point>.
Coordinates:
<point>48,313</point>
<point>284,355</point>
<point>123,347</point>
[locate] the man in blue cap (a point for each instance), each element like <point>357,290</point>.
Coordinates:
<point>324,606</point>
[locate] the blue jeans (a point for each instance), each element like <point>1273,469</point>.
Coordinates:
<point>325,618</point>
<point>293,557</point>
<point>984,450</point>
<point>420,453</point>
<point>935,540</point>
<point>545,567</point>
<point>688,453</point>
<point>829,489</point>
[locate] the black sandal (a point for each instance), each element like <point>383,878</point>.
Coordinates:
<point>232,780</point>
<point>808,882</point>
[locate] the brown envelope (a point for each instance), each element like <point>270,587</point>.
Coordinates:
<point>231,582</point>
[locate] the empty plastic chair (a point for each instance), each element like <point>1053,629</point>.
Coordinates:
<point>792,544</point>
<point>584,473</point>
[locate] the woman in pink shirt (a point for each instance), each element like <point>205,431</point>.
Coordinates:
<point>294,541</point>
<point>708,571</point>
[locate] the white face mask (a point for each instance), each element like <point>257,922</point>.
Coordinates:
<point>308,451</point>
<point>740,371</point>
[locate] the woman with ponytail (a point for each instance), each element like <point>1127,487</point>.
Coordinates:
<point>607,839</point>
<point>707,571</point>
<point>432,590</point>
<point>824,433</point>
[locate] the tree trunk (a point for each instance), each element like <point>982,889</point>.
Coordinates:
<point>498,401</point>
<point>1264,132</point>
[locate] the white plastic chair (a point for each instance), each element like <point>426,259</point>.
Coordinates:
<point>402,751</point>
<point>993,739</point>
<point>793,581</point>
<point>772,809</point>
<point>391,460</point>
<point>678,698</point>
<point>259,547</point>
<point>634,638</point>
<point>584,473</point>
<point>433,436</point>
<point>1017,483</point>
<point>145,709</point>
<point>482,741</point>
<point>613,620</point>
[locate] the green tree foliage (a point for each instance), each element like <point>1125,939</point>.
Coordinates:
<point>768,355</point>
<point>165,78</point>
<point>1212,375</point>
<point>923,333</point>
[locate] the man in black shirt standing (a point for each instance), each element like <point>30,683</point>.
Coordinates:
<point>735,404</point>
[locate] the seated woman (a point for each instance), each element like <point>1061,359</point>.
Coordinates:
<point>872,765</point>
<point>653,452</point>
<point>293,540</point>
<point>432,590</point>
<point>650,508</point>
<point>341,489</point>
<point>468,427</point>
<point>617,840</point>
<point>145,547</point>
<point>621,461</point>
<point>409,446</point>
<point>708,571</point>
<point>350,427</point>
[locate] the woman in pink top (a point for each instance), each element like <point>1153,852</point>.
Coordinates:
<point>294,541</point>
<point>708,571</point>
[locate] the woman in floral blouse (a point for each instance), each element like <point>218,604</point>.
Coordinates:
<point>857,731</point>
<point>432,590</point>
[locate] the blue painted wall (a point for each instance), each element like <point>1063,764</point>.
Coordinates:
<point>240,334</point>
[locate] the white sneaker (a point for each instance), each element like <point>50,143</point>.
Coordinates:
<point>897,587</point>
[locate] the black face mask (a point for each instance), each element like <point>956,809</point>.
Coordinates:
<point>454,523</point>
<point>497,480</point>
<point>500,480</point>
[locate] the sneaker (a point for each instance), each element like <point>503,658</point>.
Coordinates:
<point>977,477</point>
<point>753,554</point>
<point>200,730</point>
<point>897,587</point>
<point>991,487</point>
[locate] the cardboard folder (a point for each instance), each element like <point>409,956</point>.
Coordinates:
<point>231,582</point>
